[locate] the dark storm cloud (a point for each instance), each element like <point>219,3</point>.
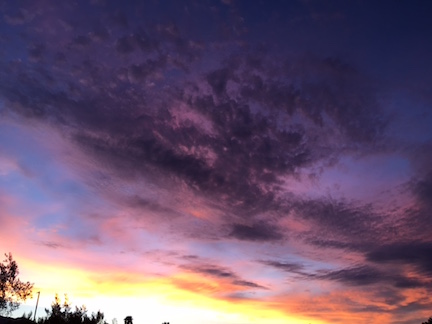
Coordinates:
<point>139,72</point>
<point>286,266</point>
<point>125,44</point>
<point>423,191</point>
<point>256,232</point>
<point>81,41</point>
<point>36,52</point>
<point>256,139</point>
<point>240,296</point>
<point>53,245</point>
<point>413,253</point>
<point>368,275</point>
<point>117,98</point>
<point>356,228</point>
<point>335,244</point>
<point>218,80</point>
<point>358,275</point>
<point>149,205</point>
<point>248,284</point>
<point>414,306</point>
<point>318,88</point>
<point>252,152</point>
<point>19,16</point>
<point>417,218</point>
<point>138,40</point>
<point>349,226</point>
<point>390,295</point>
<point>222,273</point>
<point>345,95</point>
<point>215,271</point>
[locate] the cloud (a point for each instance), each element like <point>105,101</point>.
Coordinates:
<point>53,245</point>
<point>345,225</point>
<point>286,266</point>
<point>246,103</point>
<point>222,273</point>
<point>249,150</point>
<point>367,275</point>
<point>138,40</point>
<point>21,16</point>
<point>413,253</point>
<point>218,80</point>
<point>255,232</point>
<point>354,276</point>
<point>215,271</point>
<point>423,189</point>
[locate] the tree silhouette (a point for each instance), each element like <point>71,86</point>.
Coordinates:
<point>63,314</point>
<point>429,321</point>
<point>12,290</point>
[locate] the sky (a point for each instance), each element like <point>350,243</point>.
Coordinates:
<point>220,161</point>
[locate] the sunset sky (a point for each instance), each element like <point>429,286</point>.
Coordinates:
<point>220,161</point>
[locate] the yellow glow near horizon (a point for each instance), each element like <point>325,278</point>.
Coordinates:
<point>152,299</point>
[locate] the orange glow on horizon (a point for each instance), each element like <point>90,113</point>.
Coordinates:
<point>180,292</point>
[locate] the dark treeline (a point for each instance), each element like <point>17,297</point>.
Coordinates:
<point>62,313</point>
